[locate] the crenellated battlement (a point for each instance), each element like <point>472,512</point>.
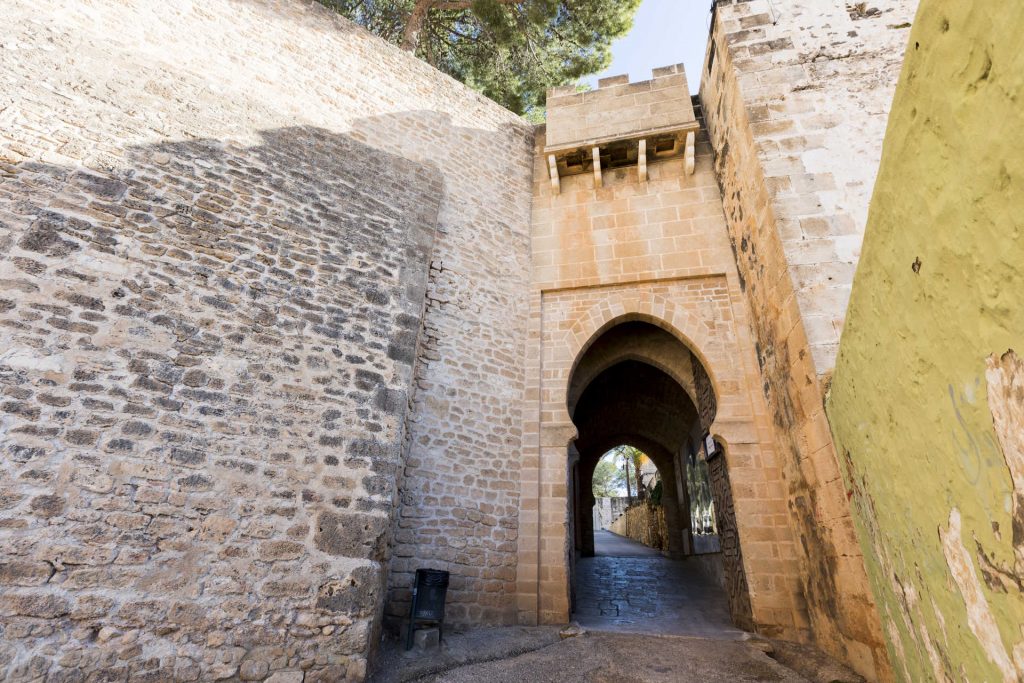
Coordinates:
<point>619,109</point>
<point>619,124</point>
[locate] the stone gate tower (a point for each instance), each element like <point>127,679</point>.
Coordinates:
<point>632,263</point>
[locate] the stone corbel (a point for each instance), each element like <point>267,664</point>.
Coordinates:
<point>556,183</point>
<point>689,160</point>
<point>641,161</point>
<point>597,167</point>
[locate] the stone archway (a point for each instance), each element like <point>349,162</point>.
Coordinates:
<point>637,384</point>
<point>691,319</point>
<point>677,516</point>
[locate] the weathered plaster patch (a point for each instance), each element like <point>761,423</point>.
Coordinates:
<point>1005,375</point>
<point>979,614</point>
<point>910,403</point>
<point>907,602</point>
<point>998,577</point>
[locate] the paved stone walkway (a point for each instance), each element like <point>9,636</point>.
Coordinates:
<point>629,658</point>
<point>631,588</point>
<point>536,654</point>
<point>648,619</point>
<point>607,544</point>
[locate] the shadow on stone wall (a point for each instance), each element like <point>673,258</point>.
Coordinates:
<point>206,360</point>
<point>459,503</point>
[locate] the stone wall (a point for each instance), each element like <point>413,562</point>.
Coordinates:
<point>607,510</point>
<point>231,255</point>
<point>796,95</point>
<point>927,405</point>
<point>814,84</point>
<point>460,497</point>
<point>645,524</point>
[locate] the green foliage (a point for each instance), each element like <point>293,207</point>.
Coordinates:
<point>605,479</point>
<point>384,18</point>
<point>510,50</point>
<point>628,463</point>
<point>655,498</point>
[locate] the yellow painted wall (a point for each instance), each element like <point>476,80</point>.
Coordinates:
<point>927,406</point>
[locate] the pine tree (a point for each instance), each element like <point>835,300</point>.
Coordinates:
<point>603,481</point>
<point>510,50</point>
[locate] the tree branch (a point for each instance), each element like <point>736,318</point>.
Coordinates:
<point>422,8</point>
<point>414,24</point>
<point>462,4</point>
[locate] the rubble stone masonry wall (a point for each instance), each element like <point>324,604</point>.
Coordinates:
<point>235,264</point>
<point>796,94</point>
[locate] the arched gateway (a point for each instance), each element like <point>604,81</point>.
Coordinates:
<point>637,384</point>
<point>627,373</point>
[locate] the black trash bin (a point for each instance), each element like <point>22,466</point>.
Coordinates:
<point>428,596</point>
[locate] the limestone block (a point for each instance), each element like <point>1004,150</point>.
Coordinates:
<point>620,109</point>
<point>351,534</point>
<point>285,677</point>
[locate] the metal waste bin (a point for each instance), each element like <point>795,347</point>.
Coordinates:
<point>428,596</point>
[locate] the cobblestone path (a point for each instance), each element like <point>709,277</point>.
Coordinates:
<point>629,587</point>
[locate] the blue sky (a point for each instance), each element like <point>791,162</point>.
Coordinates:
<point>664,32</point>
